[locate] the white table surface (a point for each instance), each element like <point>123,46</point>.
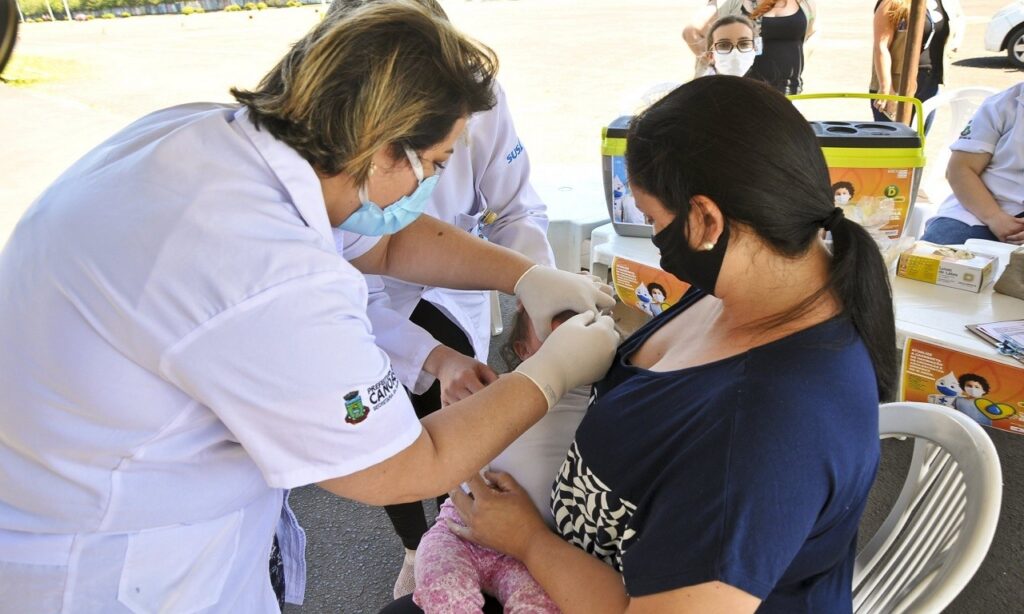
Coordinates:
<point>923,311</point>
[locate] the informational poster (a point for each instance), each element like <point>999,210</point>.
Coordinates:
<point>645,288</point>
<point>875,197</point>
<point>990,392</point>
<point>624,209</point>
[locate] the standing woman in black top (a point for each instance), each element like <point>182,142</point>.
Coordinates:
<point>784,27</point>
<point>891,28</point>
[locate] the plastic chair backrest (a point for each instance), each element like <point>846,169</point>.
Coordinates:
<point>962,104</point>
<point>939,530</point>
<point>635,102</point>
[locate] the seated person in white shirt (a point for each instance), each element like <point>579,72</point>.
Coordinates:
<point>985,172</point>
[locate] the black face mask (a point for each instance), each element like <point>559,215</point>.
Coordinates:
<point>696,268</point>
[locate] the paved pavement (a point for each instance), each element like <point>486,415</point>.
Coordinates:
<point>569,66</point>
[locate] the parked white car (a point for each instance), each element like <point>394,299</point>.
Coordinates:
<point>1006,32</point>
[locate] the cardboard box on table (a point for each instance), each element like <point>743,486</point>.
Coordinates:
<point>932,374</point>
<point>945,266</point>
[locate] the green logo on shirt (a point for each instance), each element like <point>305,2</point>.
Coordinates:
<point>966,131</point>
<point>355,411</point>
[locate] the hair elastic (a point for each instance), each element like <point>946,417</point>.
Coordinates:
<point>833,218</point>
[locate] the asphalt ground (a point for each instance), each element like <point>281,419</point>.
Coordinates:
<point>568,66</point>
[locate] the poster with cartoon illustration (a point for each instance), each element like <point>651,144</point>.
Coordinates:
<point>990,392</point>
<point>624,209</point>
<point>647,289</point>
<point>874,197</point>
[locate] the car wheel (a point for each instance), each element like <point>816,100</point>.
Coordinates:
<point>1015,47</point>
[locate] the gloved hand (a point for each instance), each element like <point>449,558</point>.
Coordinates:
<point>545,292</point>
<point>578,352</point>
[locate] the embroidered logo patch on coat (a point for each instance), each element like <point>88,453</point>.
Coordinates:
<point>355,411</point>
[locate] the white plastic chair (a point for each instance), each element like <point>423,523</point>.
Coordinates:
<point>942,524</point>
<point>962,103</point>
<point>635,102</point>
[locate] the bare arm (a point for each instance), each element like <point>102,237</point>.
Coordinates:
<point>964,176</point>
<point>502,516</point>
<point>881,57</point>
<point>812,19</point>
<point>432,253</point>
<point>809,44</point>
<point>583,584</point>
<point>580,583</point>
<point>455,443</point>
<point>695,32</point>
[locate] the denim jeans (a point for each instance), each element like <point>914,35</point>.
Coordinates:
<point>947,231</point>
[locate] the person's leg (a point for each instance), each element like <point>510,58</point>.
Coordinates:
<point>408,518</point>
<point>510,581</point>
<point>447,575</point>
<point>947,231</point>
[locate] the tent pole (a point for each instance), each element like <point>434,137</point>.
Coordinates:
<point>911,58</point>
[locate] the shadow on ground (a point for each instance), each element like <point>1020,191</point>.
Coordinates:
<point>991,62</point>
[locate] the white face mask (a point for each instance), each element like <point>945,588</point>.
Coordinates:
<point>842,199</point>
<point>974,390</point>
<point>735,63</point>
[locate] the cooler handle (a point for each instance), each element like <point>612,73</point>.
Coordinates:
<point>909,99</point>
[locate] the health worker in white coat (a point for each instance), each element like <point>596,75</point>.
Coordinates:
<point>182,341</point>
<point>485,189</point>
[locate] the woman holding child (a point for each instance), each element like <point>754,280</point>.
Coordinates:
<point>726,457</point>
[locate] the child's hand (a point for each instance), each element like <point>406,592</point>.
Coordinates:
<point>499,515</point>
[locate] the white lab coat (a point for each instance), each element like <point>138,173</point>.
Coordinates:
<point>181,344</point>
<point>997,128</point>
<point>488,172</point>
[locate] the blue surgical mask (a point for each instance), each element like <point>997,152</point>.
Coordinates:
<point>373,220</point>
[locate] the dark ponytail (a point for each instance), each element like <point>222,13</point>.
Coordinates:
<point>860,280</point>
<point>746,147</point>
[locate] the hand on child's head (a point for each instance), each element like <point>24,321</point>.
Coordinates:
<point>559,319</point>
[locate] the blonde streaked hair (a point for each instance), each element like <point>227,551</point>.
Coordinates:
<point>387,74</point>
<point>762,8</point>
<point>897,11</point>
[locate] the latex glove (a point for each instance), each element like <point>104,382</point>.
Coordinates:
<point>578,352</point>
<point>546,292</point>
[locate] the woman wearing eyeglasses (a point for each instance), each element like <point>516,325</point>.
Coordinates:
<point>183,342</point>
<point>783,31</point>
<point>731,46</point>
